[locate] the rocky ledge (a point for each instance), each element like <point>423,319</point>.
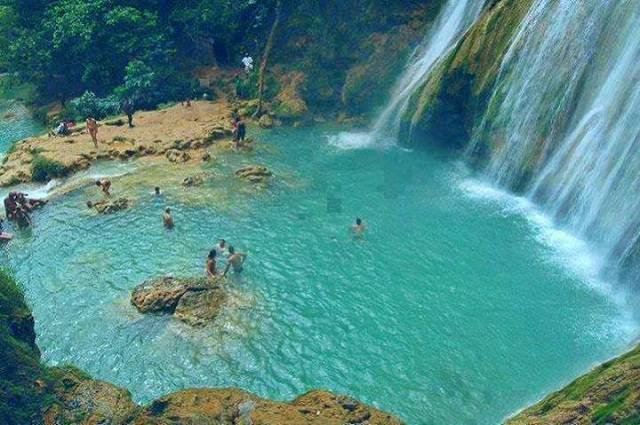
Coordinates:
<point>32,393</point>
<point>177,134</point>
<point>195,301</point>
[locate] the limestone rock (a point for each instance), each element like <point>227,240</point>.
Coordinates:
<point>195,180</point>
<point>199,307</point>
<point>161,295</point>
<point>175,155</point>
<point>254,173</point>
<point>108,206</point>
<point>195,301</point>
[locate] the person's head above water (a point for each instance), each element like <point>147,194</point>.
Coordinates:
<point>89,204</point>
<point>212,254</point>
<point>222,242</point>
<point>232,250</point>
<point>157,189</point>
<point>167,210</point>
<point>358,221</point>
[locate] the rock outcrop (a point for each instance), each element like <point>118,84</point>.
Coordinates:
<point>109,206</point>
<point>195,301</point>
<point>254,173</point>
<point>31,393</point>
<point>177,134</point>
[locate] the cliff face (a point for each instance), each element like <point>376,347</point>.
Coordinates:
<point>610,394</point>
<point>450,102</point>
<point>31,393</point>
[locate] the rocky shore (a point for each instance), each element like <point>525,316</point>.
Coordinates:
<point>178,134</point>
<point>31,392</point>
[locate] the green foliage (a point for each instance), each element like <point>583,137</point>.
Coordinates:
<point>20,366</point>
<point>44,169</point>
<point>90,105</point>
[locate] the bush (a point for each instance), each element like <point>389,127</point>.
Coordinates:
<point>90,105</point>
<point>44,169</point>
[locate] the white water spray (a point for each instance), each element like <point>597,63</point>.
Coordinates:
<point>567,126</point>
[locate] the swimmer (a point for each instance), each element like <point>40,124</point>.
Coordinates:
<point>235,260</point>
<point>358,228</point>
<point>221,248</point>
<point>167,218</point>
<point>210,265</point>
<point>105,185</point>
<point>157,191</point>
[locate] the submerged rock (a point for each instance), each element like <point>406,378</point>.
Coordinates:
<point>108,206</point>
<point>195,180</point>
<point>195,301</point>
<point>254,173</point>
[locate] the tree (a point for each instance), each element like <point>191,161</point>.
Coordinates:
<point>265,56</point>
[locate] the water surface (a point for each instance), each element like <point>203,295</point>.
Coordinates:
<point>453,309</point>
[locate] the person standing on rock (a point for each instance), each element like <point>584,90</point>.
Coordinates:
<point>128,108</point>
<point>210,265</point>
<point>167,219</point>
<point>92,127</point>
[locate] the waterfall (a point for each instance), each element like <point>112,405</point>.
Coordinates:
<point>454,19</point>
<point>563,124</point>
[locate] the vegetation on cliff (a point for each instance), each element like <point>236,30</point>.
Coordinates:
<point>449,104</point>
<point>610,394</point>
<point>332,55</point>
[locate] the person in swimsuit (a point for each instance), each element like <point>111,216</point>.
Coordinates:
<point>167,219</point>
<point>235,260</point>
<point>92,127</point>
<point>105,185</point>
<point>210,265</point>
<point>358,228</point>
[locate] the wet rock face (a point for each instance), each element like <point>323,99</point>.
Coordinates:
<point>109,206</point>
<point>254,173</point>
<point>195,301</point>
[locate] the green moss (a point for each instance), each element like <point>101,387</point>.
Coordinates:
<point>44,169</point>
<point>448,106</point>
<point>608,394</point>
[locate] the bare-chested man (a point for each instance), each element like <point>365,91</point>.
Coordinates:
<point>235,260</point>
<point>167,219</point>
<point>359,228</point>
<point>92,127</point>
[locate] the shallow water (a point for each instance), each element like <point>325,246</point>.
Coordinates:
<point>15,124</point>
<point>458,307</point>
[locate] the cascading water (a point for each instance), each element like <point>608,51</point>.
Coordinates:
<point>564,122</point>
<point>452,22</point>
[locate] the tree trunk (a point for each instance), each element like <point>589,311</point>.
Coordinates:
<point>265,56</point>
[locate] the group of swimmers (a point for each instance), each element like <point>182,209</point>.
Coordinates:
<point>235,260</point>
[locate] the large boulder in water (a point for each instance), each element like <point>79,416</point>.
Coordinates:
<point>108,206</point>
<point>159,296</point>
<point>199,307</point>
<point>195,301</point>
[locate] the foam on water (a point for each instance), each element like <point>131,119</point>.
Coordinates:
<point>573,254</point>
